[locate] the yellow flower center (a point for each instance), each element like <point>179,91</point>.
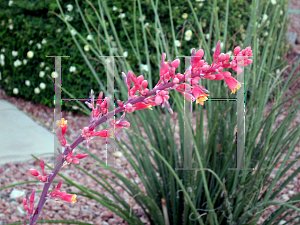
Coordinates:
<point>74,198</point>
<point>236,88</point>
<point>201,99</point>
<point>63,122</point>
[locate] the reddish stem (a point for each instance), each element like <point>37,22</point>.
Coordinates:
<point>78,140</point>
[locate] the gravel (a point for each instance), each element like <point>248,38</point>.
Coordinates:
<point>87,210</point>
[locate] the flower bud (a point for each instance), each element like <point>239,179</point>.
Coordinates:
<point>44,179</point>
<point>34,172</point>
<point>233,64</point>
<point>81,156</point>
<point>167,76</point>
<point>218,76</point>
<point>59,184</point>
<point>236,50</point>
<point>217,52</point>
<point>226,74</point>
<point>43,166</point>
<point>195,81</point>
<point>201,63</point>
<point>249,61</point>
<point>175,80</point>
<point>144,83</point>
<point>140,78</point>
<point>227,57</point>
<point>120,103</point>
<point>175,63</point>
<point>199,55</point>
<point>158,99</point>
<point>222,57</point>
<point>205,68</point>
<point>179,76</point>
<point>239,70</point>
<point>32,196</point>
<point>75,161</point>
<point>99,100</point>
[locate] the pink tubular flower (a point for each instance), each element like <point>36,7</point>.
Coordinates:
<point>128,108</point>
<point>195,60</point>
<point>187,94</point>
<point>240,59</point>
<point>69,198</point>
<point>167,69</point>
<point>217,52</point>
<point>81,156</point>
<point>140,105</point>
<point>232,83</point>
<point>114,126</point>
<point>119,124</point>
<point>31,205</point>
<point>86,133</point>
<point>161,97</point>
<point>163,67</point>
<point>104,133</point>
<point>200,93</point>
<point>35,173</point>
<point>57,194</point>
<point>95,111</point>
<point>62,127</point>
<point>101,105</point>
<point>70,157</point>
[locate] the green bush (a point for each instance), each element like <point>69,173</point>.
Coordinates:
<point>33,22</point>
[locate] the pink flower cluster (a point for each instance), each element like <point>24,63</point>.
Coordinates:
<point>29,208</point>
<point>56,194</point>
<point>35,173</point>
<point>190,88</point>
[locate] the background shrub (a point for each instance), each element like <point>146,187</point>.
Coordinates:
<point>30,26</point>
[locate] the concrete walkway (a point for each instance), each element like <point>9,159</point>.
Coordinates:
<point>20,136</point>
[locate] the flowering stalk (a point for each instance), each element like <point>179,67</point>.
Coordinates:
<point>160,95</point>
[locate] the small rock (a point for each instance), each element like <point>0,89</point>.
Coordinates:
<point>298,41</point>
<point>16,194</point>
<point>285,197</point>
<point>105,223</point>
<point>106,215</point>
<point>118,154</point>
<point>119,189</point>
<point>291,37</point>
<point>291,192</point>
<point>290,186</point>
<point>20,210</point>
<point>282,222</point>
<point>143,219</point>
<point>86,210</point>
<point>112,221</point>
